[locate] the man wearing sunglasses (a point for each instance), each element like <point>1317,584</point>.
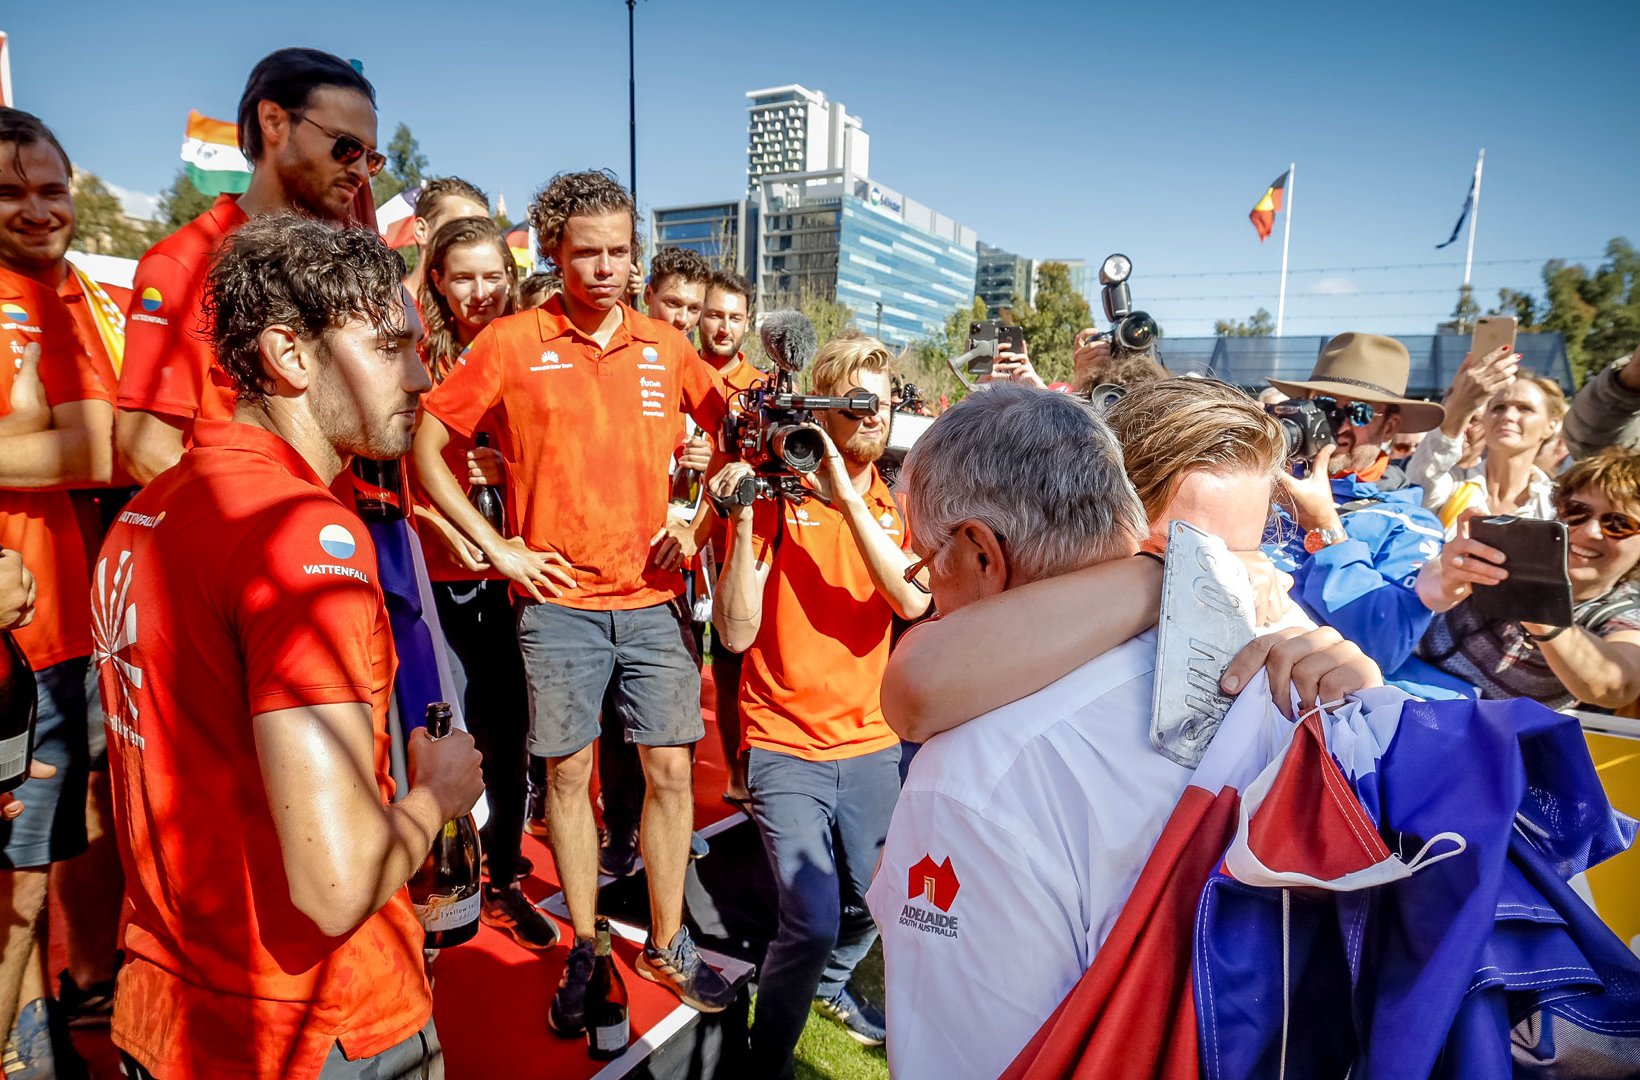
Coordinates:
<point>307,125</point>
<point>1355,534</point>
<point>808,592</point>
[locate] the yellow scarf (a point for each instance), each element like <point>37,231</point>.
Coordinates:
<point>107,315</point>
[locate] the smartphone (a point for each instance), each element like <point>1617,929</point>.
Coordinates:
<point>1539,588</point>
<point>1008,338</point>
<point>1492,332</point>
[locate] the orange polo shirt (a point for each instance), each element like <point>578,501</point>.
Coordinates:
<point>237,584</point>
<point>587,433</point>
<point>809,685</point>
<point>170,367</point>
<point>41,524</point>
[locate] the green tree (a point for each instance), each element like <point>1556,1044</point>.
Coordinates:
<point>1051,324</point>
<point>180,203</point>
<point>103,227</point>
<point>406,166</point>
<point>1598,312</point>
<point>1262,324</point>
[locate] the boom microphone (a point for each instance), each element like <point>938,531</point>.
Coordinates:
<point>789,339</point>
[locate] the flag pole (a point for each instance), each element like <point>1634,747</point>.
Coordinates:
<point>1286,238</point>
<point>1474,213</point>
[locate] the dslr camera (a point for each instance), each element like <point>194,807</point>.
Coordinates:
<point>1308,427</point>
<point>1130,331</point>
<point>773,429</point>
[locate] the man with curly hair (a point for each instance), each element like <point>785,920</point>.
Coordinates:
<point>592,394</point>
<point>246,664</point>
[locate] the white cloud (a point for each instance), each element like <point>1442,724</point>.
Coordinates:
<point>1335,286</point>
<point>137,204</point>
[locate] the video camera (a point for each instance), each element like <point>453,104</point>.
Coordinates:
<point>1130,331</point>
<point>774,431</point>
<point>1307,427</point>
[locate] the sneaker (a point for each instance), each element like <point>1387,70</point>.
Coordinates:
<point>567,1016</point>
<point>863,1020</point>
<point>510,911</point>
<point>698,847</point>
<point>92,1006</point>
<point>618,853</point>
<point>680,969</point>
<point>535,798</point>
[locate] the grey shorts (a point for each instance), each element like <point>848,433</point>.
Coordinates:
<point>640,657</point>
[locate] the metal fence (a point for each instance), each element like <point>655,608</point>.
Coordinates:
<point>1249,361</point>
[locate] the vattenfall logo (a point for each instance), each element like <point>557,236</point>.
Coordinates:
<point>937,884</point>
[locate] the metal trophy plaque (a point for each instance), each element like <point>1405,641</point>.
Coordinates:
<point>1207,617</point>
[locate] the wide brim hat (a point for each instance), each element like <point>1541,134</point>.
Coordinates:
<point>1372,368</point>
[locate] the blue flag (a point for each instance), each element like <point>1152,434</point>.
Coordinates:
<point>1468,204</point>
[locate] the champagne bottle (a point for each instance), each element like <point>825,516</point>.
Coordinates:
<point>609,1029</point>
<point>445,890</point>
<point>17,700</point>
<point>379,492</point>
<point>487,497</point>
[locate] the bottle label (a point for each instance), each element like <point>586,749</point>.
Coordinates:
<point>440,913</point>
<point>13,756</point>
<point>612,1037</point>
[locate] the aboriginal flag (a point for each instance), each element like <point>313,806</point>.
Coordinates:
<point>1263,215</point>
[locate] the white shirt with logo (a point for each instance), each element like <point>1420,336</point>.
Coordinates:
<point>1013,848</point>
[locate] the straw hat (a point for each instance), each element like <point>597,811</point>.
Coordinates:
<point>1367,367</point>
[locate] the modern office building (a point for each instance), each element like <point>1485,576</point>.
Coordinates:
<point>724,233</point>
<point>1004,278</point>
<point>899,266</point>
<point>792,129</point>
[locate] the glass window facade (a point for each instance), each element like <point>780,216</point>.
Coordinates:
<point>919,278</point>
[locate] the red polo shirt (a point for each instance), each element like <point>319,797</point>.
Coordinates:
<point>40,524</point>
<point>236,584</point>
<point>587,433</point>
<point>810,683</point>
<point>170,367</point>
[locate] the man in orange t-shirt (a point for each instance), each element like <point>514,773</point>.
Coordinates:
<point>809,592</point>
<point>56,417</point>
<point>307,125</point>
<point>246,663</point>
<point>589,394</point>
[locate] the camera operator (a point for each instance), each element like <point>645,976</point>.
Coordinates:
<point>1361,533</point>
<point>808,592</point>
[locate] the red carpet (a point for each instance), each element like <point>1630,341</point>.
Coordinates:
<point>490,996</point>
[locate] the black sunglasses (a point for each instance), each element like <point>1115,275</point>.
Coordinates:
<point>1613,524</point>
<point>1358,413</point>
<point>346,150</point>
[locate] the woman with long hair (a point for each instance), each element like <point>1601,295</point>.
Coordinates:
<point>471,281</point>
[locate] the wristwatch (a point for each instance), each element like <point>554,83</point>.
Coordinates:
<point>1316,539</point>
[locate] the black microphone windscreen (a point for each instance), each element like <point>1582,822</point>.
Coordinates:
<point>789,339</point>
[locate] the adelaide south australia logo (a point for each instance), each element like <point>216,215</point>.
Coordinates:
<point>936,885</point>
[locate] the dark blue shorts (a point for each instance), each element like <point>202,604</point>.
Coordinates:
<point>641,657</point>
<point>51,827</point>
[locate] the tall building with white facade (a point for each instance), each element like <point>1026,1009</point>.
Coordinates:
<point>792,129</point>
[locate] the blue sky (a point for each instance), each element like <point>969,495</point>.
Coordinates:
<point>1053,129</point>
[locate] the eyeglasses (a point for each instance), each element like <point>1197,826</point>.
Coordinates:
<point>346,150</point>
<point>1613,524</point>
<point>1358,413</point>
<point>917,567</point>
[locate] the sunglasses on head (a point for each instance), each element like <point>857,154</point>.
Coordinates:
<point>1613,524</point>
<point>346,149</point>
<point>1358,413</point>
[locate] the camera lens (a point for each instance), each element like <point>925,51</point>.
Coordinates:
<point>801,448</point>
<point>1136,332</point>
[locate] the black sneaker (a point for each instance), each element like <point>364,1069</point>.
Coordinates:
<point>91,1006</point>
<point>680,969</point>
<point>618,852</point>
<point>510,911</point>
<point>567,1016</point>
<point>863,1020</point>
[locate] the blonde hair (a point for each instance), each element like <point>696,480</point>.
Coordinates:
<point>844,355</point>
<point>1170,427</point>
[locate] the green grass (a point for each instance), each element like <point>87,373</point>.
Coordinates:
<point>825,1052</point>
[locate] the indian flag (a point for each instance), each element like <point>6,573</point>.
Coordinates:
<point>211,150</point>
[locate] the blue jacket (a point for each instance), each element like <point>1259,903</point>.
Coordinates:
<point>1364,587</point>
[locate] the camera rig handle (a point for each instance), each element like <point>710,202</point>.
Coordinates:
<point>986,349</point>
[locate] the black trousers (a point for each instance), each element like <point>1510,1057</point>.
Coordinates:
<point>479,625</point>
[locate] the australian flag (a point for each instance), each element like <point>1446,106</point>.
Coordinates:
<point>1468,205</point>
